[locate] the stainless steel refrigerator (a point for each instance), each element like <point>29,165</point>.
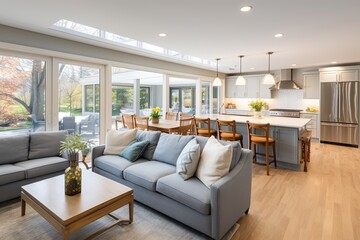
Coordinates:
<point>339,113</point>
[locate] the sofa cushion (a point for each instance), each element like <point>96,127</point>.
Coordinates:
<point>117,141</point>
<point>188,160</point>
<point>153,138</point>
<point>45,144</point>
<point>237,150</point>
<point>42,166</point>
<point>14,148</point>
<point>192,193</point>
<point>169,147</point>
<point>10,173</point>
<point>134,150</point>
<point>114,164</point>
<point>214,162</point>
<point>146,174</point>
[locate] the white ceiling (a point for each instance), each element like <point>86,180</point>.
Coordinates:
<point>316,32</point>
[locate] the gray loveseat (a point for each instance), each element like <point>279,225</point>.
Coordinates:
<point>29,158</point>
<point>156,184</point>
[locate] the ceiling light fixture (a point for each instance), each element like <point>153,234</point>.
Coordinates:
<point>334,62</point>
<point>252,68</point>
<point>269,78</point>
<point>162,34</point>
<point>240,79</point>
<point>217,80</point>
<point>246,8</point>
<point>293,65</point>
<point>278,35</point>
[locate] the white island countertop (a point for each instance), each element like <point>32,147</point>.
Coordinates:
<point>274,121</point>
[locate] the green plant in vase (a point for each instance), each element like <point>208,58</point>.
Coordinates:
<point>257,105</point>
<point>72,145</point>
<point>155,115</point>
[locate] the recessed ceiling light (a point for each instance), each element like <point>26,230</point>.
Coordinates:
<point>278,35</point>
<point>252,68</point>
<point>162,34</point>
<point>334,62</point>
<point>246,8</point>
<point>293,65</point>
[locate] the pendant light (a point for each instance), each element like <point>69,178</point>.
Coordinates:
<point>217,82</point>
<point>240,79</point>
<point>269,78</point>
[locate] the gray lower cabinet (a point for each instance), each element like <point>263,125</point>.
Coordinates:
<point>287,144</point>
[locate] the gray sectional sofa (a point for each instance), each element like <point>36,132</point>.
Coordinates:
<point>29,158</point>
<point>156,184</point>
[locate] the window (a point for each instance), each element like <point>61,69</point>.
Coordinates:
<point>22,95</point>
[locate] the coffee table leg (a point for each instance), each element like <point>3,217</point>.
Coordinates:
<point>66,235</point>
<point>131,210</point>
<point>23,207</point>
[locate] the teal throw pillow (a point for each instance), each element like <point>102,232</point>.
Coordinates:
<point>188,160</point>
<point>134,150</point>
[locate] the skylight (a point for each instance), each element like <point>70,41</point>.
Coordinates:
<point>108,37</point>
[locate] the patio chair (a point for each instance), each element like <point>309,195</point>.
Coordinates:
<point>69,124</point>
<point>89,124</point>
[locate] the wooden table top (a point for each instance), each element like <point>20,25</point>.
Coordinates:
<point>96,192</point>
<point>165,125</point>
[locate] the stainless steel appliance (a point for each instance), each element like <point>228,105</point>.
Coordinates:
<point>293,113</point>
<point>339,113</point>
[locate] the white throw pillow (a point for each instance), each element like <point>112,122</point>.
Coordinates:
<point>117,141</point>
<point>214,162</point>
<point>188,160</point>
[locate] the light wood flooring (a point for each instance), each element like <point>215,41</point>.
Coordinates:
<point>323,203</point>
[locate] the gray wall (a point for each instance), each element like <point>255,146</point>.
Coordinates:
<point>42,41</point>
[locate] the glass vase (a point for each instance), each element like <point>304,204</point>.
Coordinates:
<point>257,114</point>
<point>73,178</point>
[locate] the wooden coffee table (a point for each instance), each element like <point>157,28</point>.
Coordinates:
<point>99,197</point>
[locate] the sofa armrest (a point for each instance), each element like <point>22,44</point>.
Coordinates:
<point>230,196</point>
<point>96,152</point>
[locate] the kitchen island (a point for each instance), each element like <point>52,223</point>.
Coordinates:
<point>286,132</point>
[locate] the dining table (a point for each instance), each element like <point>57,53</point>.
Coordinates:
<point>168,126</point>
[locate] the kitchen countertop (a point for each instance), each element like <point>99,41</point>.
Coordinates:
<point>274,121</point>
<point>306,112</point>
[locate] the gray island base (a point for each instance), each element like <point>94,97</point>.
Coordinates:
<point>286,132</point>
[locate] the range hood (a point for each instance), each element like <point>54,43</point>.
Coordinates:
<point>286,81</point>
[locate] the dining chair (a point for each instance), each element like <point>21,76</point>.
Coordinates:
<point>202,127</point>
<point>227,131</point>
<point>186,125</point>
<point>258,134</point>
<point>171,116</point>
<point>128,120</point>
<point>188,115</point>
<point>141,123</point>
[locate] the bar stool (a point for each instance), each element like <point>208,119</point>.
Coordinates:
<point>229,135</point>
<point>261,139</point>
<point>305,139</point>
<point>202,127</point>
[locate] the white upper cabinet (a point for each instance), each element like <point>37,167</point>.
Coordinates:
<point>311,85</point>
<point>254,88</point>
<point>339,74</point>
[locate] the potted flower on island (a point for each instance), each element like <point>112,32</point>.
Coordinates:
<point>155,115</point>
<point>257,106</point>
<point>71,146</point>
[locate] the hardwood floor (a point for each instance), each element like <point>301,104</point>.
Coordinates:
<point>323,203</point>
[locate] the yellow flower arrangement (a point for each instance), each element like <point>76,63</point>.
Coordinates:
<point>155,113</point>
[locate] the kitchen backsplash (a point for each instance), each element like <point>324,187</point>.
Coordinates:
<point>287,99</point>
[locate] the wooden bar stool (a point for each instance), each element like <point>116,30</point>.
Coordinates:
<point>305,139</point>
<point>226,134</point>
<point>202,126</point>
<point>255,138</point>
<point>186,125</point>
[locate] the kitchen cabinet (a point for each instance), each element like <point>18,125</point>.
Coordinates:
<point>254,88</point>
<point>313,125</point>
<point>232,90</point>
<point>287,144</point>
<point>311,85</point>
<point>337,74</point>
